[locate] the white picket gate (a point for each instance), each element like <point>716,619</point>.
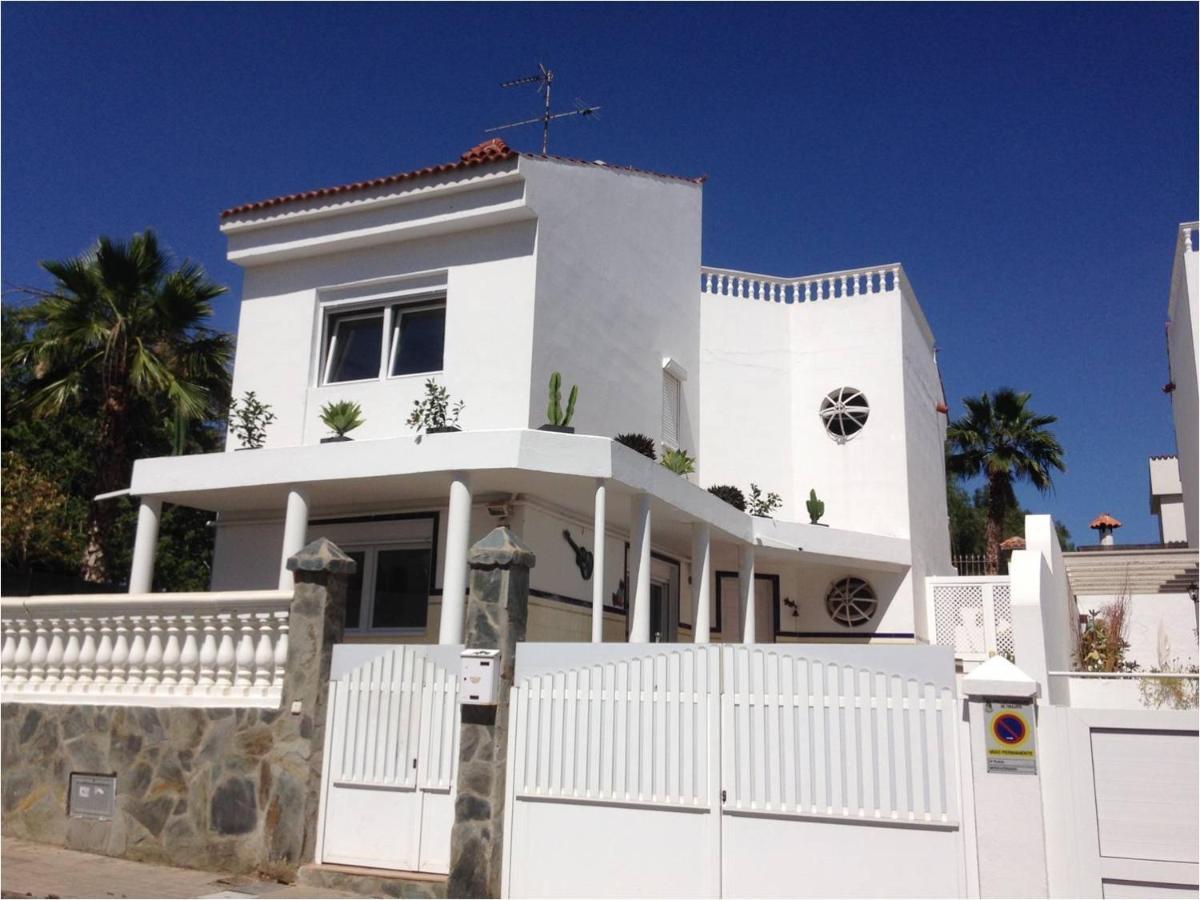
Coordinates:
<point>391,757</point>
<point>739,770</point>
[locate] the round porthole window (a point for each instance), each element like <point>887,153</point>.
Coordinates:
<point>851,602</point>
<point>844,413</point>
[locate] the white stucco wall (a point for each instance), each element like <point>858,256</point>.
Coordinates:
<point>1183,337</point>
<point>488,279</point>
<point>766,367</point>
<point>617,260</point>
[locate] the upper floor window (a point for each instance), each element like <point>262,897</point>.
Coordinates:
<point>396,339</point>
<point>672,389</point>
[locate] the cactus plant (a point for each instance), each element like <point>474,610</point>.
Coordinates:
<point>815,507</point>
<point>560,418</point>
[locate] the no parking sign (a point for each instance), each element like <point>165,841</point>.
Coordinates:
<point>1009,738</point>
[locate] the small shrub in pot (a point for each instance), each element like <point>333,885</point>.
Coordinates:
<point>761,504</point>
<point>248,420</point>
<point>434,413</point>
<point>639,443</point>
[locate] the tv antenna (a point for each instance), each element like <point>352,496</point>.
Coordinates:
<point>544,79</point>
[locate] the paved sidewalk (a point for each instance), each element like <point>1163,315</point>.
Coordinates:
<point>41,870</point>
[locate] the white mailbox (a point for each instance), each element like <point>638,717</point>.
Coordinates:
<point>480,685</point>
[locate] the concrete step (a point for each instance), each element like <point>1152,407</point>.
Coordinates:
<point>1165,571</point>
<point>373,882</point>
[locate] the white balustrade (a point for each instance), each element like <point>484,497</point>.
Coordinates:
<point>803,289</point>
<point>204,649</point>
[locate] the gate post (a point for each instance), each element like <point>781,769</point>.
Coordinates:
<point>497,613</point>
<point>1006,776</point>
<point>315,623</point>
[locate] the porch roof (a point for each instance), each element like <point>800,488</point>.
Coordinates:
<point>344,477</point>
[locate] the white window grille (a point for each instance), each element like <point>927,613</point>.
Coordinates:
<point>844,412</point>
<point>851,602</point>
<point>670,410</point>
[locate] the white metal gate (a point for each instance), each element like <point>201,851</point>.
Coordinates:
<point>972,614</point>
<point>391,757</point>
<point>740,770</point>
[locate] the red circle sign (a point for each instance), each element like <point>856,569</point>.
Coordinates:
<point>1009,728</point>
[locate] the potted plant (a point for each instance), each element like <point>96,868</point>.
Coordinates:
<point>761,504</point>
<point>731,495</point>
<point>679,462</point>
<point>816,509</point>
<point>434,413</point>
<point>248,421</point>
<point>341,418</point>
<point>560,419</point>
<point>639,443</point>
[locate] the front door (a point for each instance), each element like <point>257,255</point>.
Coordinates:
<point>660,611</point>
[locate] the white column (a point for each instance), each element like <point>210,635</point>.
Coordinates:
<point>454,573</point>
<point>701,582</point>
<point>639,569</point>
<point>746,591</point>
<point>295,532</point>
<point>598,525</point>
<point>145,543</point>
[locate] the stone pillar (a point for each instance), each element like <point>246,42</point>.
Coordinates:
<point>1009,831</point>
<point>454,575</point>
<point>746,592</point>
<point>316,622</point>
<point>599,523</point>
<point>145,544</point>
<point>639,569</point>
<point>295,533</point>
<point>497,614</point>
<point>701,582</point>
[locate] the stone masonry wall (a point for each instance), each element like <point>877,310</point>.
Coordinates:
<point>233,790</point>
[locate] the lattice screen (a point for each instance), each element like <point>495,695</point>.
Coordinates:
<point>958,617</point>
<point>1002,608</point>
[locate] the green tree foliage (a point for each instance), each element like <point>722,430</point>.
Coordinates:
<point>115,362</point>
<point>968,521</point>
<point>1004,440</point>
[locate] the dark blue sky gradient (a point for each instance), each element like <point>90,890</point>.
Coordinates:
<point>1028,163</point>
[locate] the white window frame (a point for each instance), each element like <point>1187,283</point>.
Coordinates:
<point>366,608</point>
<point>677,375</point>
<point>391,310</point>
<point>393,319</point>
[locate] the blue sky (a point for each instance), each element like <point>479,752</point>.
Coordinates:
<point>1028,164</point>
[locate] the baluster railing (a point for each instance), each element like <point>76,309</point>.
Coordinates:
<point>830,286</point>
<point>178,649</point>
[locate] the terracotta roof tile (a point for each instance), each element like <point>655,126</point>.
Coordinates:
<point>1016,542</point>
<point>1104,520</point>
<point>494,150</point>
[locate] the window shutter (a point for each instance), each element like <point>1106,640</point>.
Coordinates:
<point>670,411</point>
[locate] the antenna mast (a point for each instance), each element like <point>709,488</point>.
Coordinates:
<point>544,79</point>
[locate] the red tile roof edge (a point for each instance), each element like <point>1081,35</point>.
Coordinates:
<point>494,150</point>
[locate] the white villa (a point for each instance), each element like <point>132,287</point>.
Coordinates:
<point>490,273</point>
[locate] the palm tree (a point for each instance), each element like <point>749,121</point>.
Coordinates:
<point>1001,438</point>
<point>122,336</point>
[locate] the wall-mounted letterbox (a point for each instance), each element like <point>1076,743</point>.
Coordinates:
<point>480,682</point>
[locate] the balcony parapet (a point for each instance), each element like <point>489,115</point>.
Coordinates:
<point>802,289</point>
<point>218,649</point>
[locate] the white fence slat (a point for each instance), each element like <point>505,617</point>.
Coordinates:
<point>866,744</point>
<point>621,736</point>
<point>557,731</point>
<point>850,745</point>
<point>823,802</point>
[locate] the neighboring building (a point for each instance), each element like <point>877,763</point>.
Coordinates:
<point>1183,356</point>
<point>1166,500</point>
<point>492,272</point>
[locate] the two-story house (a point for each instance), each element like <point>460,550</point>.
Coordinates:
<point>488,274</point>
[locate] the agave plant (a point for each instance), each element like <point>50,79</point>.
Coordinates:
<point>639,442</point>
<point>730,494</point>
<point>679,462</point>
<point>342,417</point>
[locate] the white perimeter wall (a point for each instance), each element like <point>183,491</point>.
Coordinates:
<point>618,258</point>
<point>1184,341</point>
